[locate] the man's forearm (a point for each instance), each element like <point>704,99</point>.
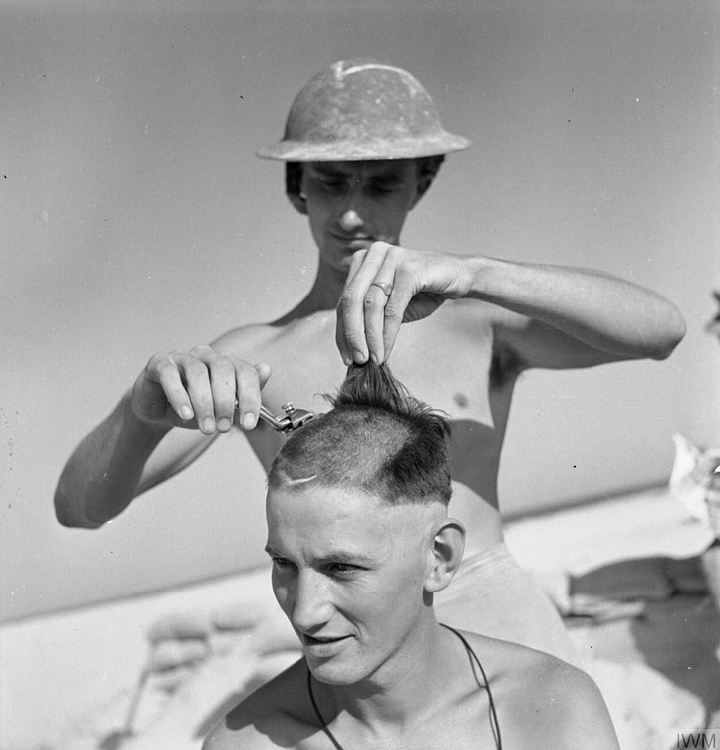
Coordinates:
<point>602,311</point>
<point>101,477</point>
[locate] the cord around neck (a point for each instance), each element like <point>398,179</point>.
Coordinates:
<point>494,725</point>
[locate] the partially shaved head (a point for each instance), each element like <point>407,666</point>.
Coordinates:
<point>377,439</point>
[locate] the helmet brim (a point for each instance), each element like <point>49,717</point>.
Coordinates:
<point>365,150</point>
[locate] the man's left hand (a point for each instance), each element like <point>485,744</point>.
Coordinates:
<point>390,285</point>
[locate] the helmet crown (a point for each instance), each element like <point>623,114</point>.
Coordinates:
<point>363,110</point>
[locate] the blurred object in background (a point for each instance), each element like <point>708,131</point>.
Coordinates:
<point>713,326</point>
<point>695,481</point>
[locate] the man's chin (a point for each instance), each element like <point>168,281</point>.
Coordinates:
<point>330,673</point>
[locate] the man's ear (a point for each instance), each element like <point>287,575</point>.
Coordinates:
<point>299,201</point>
<point>427,167</point>
<point>293,186</point>
<point>447,553</point>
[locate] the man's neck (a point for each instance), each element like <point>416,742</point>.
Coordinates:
<point>323,295</point>
<point>327,287</point>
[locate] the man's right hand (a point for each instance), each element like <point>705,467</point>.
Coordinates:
<point>199,389</point>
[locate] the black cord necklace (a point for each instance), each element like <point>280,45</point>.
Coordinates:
<point>494,725</point>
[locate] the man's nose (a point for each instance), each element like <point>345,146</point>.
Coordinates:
<point>311,606</point>
<point>350,219</point>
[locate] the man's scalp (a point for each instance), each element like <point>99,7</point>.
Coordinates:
<point>377,439</point>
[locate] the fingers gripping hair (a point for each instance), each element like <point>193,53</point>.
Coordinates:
<point>377,439</point>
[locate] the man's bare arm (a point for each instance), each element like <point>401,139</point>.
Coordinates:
<point>600,318</point>
<point>573,317</point>
<point>101,477</point>
<point>121,458</point>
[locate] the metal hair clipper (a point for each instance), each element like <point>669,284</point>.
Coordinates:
<point>289,420</point>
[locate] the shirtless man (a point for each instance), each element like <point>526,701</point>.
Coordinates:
<point>363,144</point>
<point>361,543</point>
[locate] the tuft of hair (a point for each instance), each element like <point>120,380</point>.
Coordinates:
<point>377,439</point>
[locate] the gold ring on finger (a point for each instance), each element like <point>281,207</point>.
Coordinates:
<point>387,288</point>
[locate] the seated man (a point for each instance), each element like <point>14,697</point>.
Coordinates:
<point>361,541</point>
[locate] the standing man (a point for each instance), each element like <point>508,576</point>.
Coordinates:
<point>363,144</point>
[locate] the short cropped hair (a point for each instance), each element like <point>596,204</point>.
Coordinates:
<point>377,439</point>
<point>428,166</point>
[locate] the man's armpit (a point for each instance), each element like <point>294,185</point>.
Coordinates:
<point>505,366</point>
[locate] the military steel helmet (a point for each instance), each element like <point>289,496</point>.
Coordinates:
<point>361,110</point>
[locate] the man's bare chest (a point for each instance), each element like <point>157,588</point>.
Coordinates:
<point>445,366</point>
<point>445,360</point>
<point>465,728</point>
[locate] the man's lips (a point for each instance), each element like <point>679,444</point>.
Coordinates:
<point>359,241</point>
<point>309,640</point>
<point>323,646</point>
<point>347,237</point>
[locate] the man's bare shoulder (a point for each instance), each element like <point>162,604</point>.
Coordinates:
<point>274,716</point>
<point>543,699</point>
<point>269,340</point>
<point>247,339</point>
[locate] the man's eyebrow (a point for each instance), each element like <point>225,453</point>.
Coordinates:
<point>327,170</point>
<point>388,174</point>
<point>338,556</point>
<point>388,182</point>
<point>344,556</point>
